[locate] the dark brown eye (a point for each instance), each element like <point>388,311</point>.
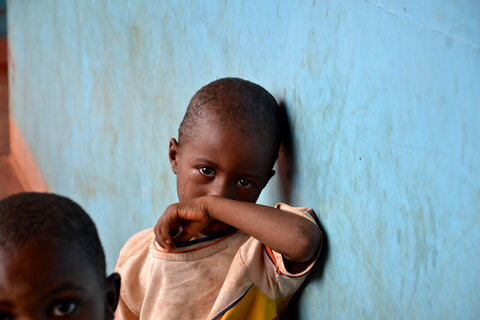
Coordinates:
<point>5,316</point>
<point>63,308</point>
<point>207,171</point>
<point>244,183</point>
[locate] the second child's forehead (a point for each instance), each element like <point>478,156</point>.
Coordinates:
<point>41,247</point>
<point>45,259</point>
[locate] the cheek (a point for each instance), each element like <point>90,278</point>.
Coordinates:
<point>190,185</point>
<point>248,195</point>
<point>184,190</point>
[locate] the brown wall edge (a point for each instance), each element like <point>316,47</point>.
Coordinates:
<point>24,163</point>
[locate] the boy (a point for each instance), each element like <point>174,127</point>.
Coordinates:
<point>52,264</point>
<point>217,254</point>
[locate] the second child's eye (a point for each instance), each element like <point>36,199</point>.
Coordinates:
<point>207,171</point>
<point>5,316</point>
<point>64,308</point>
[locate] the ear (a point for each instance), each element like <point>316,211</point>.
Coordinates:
<point>112,294</point>
<point>173,154</point>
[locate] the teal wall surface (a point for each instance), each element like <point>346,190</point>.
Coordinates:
<point>384,102</point>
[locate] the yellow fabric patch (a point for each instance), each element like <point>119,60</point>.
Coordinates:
<point>255,305</point>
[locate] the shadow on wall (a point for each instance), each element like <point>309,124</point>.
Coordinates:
<point>286,162</point>
<point>286,166</point>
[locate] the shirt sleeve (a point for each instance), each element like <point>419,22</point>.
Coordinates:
<point>266,267</point>
<point>277,257</point>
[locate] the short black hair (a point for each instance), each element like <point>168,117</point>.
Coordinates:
<point>234,102</point>
<point>31,215</point>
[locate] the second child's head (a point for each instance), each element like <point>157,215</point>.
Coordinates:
<point>228,141</point>
<point>52,265</point>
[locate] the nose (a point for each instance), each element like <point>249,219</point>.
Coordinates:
<point>222,188</point>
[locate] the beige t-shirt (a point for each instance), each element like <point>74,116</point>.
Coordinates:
<point>229,277</point>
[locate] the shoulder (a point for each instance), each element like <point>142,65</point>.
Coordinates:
<point>138,244</point>
<point>306,212</point>
<point>131,264</point>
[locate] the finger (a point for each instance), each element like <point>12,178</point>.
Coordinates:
<point>169,232</point>
<point>165,224</point>
<point>184,236</point>
<point>189,230</point>
<point>175,232</point>
<point>163,238</point>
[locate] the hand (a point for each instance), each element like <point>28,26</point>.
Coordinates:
<point>181,221</point>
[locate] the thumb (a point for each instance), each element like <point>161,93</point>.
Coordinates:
<point>189,230</point>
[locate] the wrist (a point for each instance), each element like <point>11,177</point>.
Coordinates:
<point>207,206</point>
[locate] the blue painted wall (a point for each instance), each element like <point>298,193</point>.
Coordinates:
<point>384,99</point>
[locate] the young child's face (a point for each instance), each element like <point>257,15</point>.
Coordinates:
<point>232,166</point>
<point>45,280</point>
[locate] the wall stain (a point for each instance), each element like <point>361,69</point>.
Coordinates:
<point>424,251</point>
<point>90,186</point>
<point>338,96</point>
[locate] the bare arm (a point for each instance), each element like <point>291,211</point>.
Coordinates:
<point>296,238</point>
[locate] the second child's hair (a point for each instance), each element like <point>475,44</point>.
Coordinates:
<point>233,103</point>
<point>29,216</point>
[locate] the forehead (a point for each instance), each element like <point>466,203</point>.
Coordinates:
<point>231,150</point>
<point>34,270</point>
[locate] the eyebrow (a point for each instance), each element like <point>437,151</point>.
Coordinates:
<point>66,286</point>
<point>201,159</point>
